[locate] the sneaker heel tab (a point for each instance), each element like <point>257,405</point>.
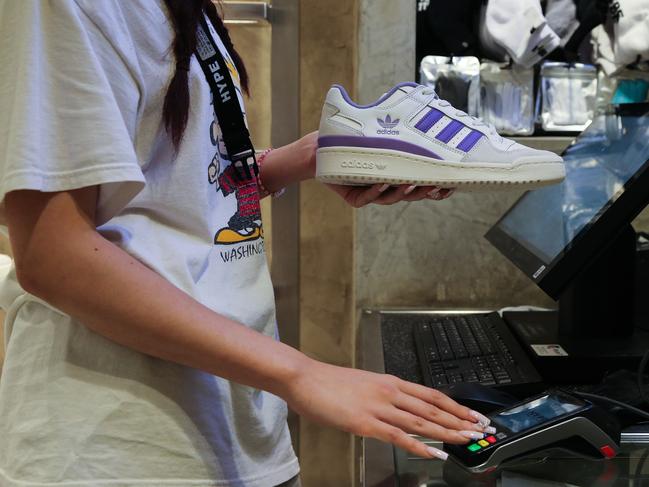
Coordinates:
<point>340,88</point>
<point>338,93</point>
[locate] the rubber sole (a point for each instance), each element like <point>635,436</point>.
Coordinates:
<point>359,166</point>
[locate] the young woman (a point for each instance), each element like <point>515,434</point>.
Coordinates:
<point>141,342</point>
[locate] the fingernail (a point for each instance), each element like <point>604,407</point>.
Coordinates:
<point>490,430</point>
<point>480,418</point>
<point>472,435</point>
<point>450,192</point>
<point>437,453</point>
<point>410,189</point>
<point>433,192</point>
<point>383,188</point>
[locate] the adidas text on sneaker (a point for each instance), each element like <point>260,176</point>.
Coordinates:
<point>411,136</point>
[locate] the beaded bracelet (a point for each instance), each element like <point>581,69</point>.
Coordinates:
<point>263,192</point>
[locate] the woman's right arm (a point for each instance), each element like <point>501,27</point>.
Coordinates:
<point>61,258</point>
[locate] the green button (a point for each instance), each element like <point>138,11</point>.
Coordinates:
<point>474,447</point>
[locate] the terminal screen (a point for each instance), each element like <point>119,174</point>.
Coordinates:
<point>536,412</point>
<point>599,164</point>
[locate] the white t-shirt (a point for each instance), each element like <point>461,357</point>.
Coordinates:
<point>82,85</point>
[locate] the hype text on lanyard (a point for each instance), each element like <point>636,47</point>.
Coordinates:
<point>226,103</point>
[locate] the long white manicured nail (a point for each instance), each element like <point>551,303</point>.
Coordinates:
<point>490,430</point>
<point>383,188</point>
<point>433,192</point>
<point>480,418</point>
<point>472,435</point>
<point>437,453</point>
<point>450,193</point>
<point>410,189</point>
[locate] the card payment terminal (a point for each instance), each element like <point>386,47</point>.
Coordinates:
<point>554,419</point>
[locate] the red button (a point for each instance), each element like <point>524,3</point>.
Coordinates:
<point>491,439</point>
<point>607,451</point>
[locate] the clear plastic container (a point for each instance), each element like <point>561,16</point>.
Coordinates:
<point>568,96</point>
<point>507,98</point>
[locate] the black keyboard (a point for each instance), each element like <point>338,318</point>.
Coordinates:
<point>477,348</point>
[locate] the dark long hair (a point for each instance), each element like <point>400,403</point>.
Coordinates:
<point>185,15</point>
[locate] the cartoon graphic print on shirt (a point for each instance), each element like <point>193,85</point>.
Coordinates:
<point>245,225</point>
<point>238,180</point>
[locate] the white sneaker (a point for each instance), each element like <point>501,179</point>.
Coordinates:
<point>411,136</point>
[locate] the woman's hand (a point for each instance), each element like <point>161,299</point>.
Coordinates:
<point>383,407</point>
<point>379,194</point>
<point>384,194</point>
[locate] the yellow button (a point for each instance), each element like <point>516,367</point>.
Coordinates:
<point>483,443</point>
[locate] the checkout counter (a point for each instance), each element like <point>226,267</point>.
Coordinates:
<point>382,465</point>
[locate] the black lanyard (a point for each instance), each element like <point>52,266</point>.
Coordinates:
<point>226,103</point>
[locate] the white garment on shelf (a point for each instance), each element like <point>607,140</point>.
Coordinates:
<point>624,39</point>
<point>562,18</point>
<point>602,42</point>
<point>631,38</point>
<point>492,49</point>
<point>520,27</point>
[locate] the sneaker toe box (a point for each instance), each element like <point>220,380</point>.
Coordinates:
<point>526,155</point>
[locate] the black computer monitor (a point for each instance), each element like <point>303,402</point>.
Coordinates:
<point>575,239</point>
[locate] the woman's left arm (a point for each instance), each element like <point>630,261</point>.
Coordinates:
<point>297,162</point>
<point>290,164</point>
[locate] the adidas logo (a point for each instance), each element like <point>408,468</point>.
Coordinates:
<point>388,125</point>
<point>363,165</point>
<point>357,165</point>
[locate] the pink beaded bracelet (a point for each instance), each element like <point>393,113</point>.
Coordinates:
<point>263,192</point>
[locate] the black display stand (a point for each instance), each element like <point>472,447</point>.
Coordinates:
<point>594,326</point>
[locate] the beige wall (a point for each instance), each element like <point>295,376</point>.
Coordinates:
<point>328,53</point>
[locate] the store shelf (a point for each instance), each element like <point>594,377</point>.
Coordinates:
<point>546,142</point>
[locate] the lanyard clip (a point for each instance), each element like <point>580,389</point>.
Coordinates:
<point>245,164</point>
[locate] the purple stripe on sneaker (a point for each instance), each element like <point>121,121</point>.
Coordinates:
<point>430,119</point>
<point>374,143</point>
<point>470,140</point>
<point>449,131</point>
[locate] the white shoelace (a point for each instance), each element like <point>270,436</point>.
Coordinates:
<point>459,113</point>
